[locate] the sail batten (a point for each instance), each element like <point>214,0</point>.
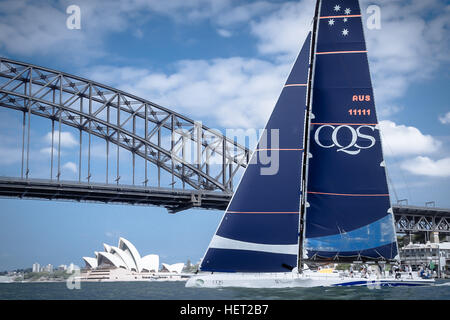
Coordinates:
<point>350,194</point>
<point>342,52</point>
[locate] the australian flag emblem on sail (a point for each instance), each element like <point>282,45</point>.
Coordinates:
<point>341,27</point>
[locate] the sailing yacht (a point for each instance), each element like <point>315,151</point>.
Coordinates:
<point>328,202</point>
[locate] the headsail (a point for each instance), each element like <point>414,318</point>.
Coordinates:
<point>348,215</point>
<point>259,230</point>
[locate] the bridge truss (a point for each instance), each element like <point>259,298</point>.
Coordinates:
<point>201,162</point>
<point>411,219</point>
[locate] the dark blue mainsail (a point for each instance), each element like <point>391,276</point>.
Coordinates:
<point>259,230</point>
<point>348,213</point>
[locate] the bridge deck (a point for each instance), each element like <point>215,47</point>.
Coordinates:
<point>173,199</point>
<point>421,211</point>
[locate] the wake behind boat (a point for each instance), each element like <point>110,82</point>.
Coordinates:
<point>328,199</point>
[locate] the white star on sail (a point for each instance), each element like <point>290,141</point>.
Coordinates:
<point>345,32</point>
<point>345,19</point>
<point>331,22</point>
<point>347,11</point>
<point>337,7</point>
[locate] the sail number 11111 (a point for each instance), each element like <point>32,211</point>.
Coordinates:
<point>359,112</point>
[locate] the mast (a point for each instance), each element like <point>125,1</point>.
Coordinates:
<point>306,138</point>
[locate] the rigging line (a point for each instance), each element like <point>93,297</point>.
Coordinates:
<point>396,163</point>
<point>266,212</point>
<point>390,182</point>
<point>350,194</point>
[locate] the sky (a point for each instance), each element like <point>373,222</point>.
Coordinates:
<point>205,59</point>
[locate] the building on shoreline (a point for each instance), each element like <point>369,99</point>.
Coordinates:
<point>124,263</point>
<point>48,268</point>
<point>62,267</point>
<point>419,255</point>
<point>36,267</point>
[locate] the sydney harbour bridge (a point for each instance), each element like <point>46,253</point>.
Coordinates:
<point>174,162</point>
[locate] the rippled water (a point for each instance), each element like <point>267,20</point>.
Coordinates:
<point>177,290</point>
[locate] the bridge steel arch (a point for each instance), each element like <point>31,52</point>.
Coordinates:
<point>116,116</point>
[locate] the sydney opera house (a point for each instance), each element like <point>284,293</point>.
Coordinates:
<point>124,263</point>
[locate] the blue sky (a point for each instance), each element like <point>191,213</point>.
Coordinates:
<point>203,59</point>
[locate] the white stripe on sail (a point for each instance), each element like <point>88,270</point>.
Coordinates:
<point>219,242</point>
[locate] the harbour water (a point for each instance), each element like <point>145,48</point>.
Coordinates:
<point>177,291</point>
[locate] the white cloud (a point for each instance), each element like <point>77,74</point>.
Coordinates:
<point>388,110</point>
<point>67,140</point>
<point>45,30</point>
<point>48,151</point>
<point>243,13</point>
<point>425,166</point>
<point>182,10</point>
<point>445,119</point>
<point>410,31</point>
<point>233,93</point>
<point>30,28</point>
<point>39,28</point>
<point>98,150</point>
<point>71,166</point>
<point>283,32</point>
<point>224,33</point>
<point>400,140</point>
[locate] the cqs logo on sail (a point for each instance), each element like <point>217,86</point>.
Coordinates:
<point>345,138</point>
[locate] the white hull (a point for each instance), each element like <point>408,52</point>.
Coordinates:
<point>296,280</point>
